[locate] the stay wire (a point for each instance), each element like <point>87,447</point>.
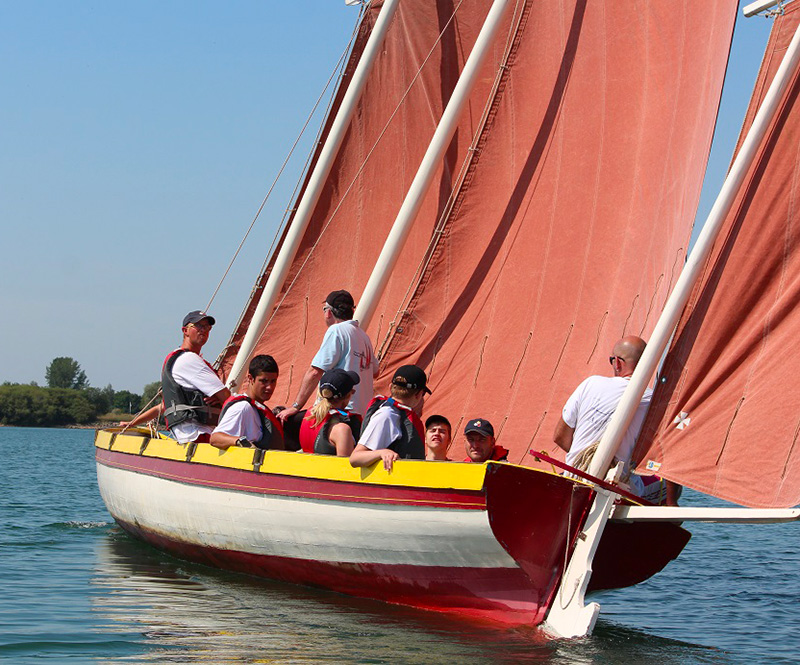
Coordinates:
<point>334,74</point>
<point>363,164</point>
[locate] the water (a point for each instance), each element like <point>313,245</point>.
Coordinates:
<point>75,589</point>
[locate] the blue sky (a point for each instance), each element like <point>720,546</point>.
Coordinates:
<point>138,140</point>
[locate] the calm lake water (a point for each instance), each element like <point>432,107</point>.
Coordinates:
<point>75,589</point>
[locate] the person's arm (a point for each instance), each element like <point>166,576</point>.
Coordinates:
<point>219,397</point>
<point>307,387</point>
<point>563,435</point>
<point>363,456</point>
<point>222,440</point>
<point>341,436</point>
<point>145,416</point>
<point>673,493</point>
<point>233,426</point>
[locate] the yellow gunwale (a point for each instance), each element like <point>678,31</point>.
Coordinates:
<point>409,473</point>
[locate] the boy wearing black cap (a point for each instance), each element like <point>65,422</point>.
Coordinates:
<point>345,346</point>
<point>480,445</point>
<point>392,430</point>
<point>327,427</point>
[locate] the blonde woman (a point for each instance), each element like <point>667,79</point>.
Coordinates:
<point>328,428</point>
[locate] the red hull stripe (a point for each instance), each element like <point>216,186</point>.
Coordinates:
<point>502,594</point>
<point>308,488</point>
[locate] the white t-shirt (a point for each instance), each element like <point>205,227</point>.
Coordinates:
<point>590,408</point>
<point>191,371</point>
<point>240,419</point>
<point>382,430</point>
<point>346,346</point>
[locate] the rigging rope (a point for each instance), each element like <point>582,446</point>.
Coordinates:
<point>363,164</point>
<point>334,74</point>
<point>447,208</point>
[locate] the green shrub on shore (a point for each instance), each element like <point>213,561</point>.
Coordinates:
<point>44,407</point>
<point>34,406</point>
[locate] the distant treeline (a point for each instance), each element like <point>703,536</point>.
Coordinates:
<point>68,399</point>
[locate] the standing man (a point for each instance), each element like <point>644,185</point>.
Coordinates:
<point>480,443</point>
<point>189,385</point>
<point>245,419</point>
<point>588,410</point>
<point>345,346</point>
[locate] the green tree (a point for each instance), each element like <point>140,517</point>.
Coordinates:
<point>44,407</point>
<point>149,393</point>
<point>65,373</point>
<point>127,401</point>
<point>100,398</point>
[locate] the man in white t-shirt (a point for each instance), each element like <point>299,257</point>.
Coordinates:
<point>588,410</point>
<point>189,385</point>
<point>345,346</point>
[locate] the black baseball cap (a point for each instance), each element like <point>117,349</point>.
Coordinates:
<point>411,377</point>
<point>337,383</point>
<point>196,316</point>
<point>481,426</point>
<point>435,420</point>
<point>340,300</point>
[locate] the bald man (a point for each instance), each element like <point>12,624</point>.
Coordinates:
<point>588,410</point>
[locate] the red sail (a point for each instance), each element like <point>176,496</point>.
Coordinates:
<point>725,418</point>
<point>559,230</point>
<point>402,102</point>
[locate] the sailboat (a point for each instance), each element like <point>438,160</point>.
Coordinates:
<point>508,187</point>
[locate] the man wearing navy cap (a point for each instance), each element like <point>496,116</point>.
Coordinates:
<point>190,387</point>
<point>345,346</point>
<point>480,444</point>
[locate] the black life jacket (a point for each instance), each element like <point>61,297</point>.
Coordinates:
<point>271,428</point>
<point>181,404</point>
<point>411,444</point>
<point>316,438</point>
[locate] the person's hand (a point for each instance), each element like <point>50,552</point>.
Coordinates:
<point>388,457</point>
<point>284,415</point>
<point>123,423</point>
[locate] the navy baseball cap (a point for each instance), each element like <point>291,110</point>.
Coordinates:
<point>196,316</point>
<point>481,426</point>
<point>411,377</point>
<point>337,383</point>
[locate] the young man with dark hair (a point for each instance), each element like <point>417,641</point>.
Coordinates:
<point>438,435</point>
<point>245,419</point>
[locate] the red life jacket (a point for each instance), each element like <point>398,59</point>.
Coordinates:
<point>411,444</point>
<point>316,438</point>
<point>271,428</point>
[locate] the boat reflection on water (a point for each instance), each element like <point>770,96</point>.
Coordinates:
<point>189,613</point>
